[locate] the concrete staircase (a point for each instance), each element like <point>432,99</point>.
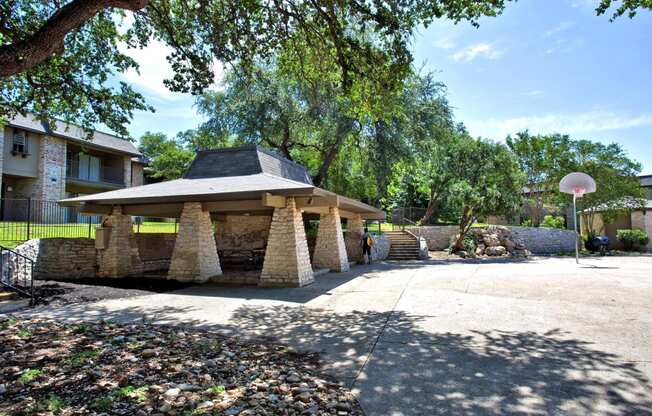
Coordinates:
<point>404,246</point>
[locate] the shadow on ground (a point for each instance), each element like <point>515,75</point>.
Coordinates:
<point>397,368</point>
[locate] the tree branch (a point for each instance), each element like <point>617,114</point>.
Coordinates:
<point>27,53</point>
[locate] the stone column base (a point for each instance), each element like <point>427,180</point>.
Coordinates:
<point>287,261</point>
<point>121,257</point>
<point>194,258</point>
<point>330,251</point>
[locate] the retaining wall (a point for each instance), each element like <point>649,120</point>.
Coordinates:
<point>546,240</point>
<point>61,258</point>
<point>537,240</point>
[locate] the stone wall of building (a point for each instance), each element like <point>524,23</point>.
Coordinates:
<point>438,237</point>
<point>545,240</point>
<point>642,219</point>
<point>61,258</point>
<point>155,246</point>
<point>353,238</point>
<point>242,232</point>
<point>287,260</point>
<point>137,174</point>
<point>51,181</point>
<point>126,163</point>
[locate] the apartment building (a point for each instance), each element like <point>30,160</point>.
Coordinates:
<point>50,164</point>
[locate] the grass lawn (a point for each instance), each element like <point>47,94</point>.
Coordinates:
<point>14,233</point>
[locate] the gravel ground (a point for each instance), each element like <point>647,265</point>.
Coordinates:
<point>104,368</point>
<point>57,293</point>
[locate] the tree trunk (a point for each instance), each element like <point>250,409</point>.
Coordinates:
<point>28,53</point>
<point>344,126</point>
<point>431,208</point>
<point>466,220</point>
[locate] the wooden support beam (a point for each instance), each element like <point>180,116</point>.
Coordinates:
<point>235,206</point>
<point>94,209</point>
<point>274,201</point>
<point>169,210</point>
<point>317,201</point>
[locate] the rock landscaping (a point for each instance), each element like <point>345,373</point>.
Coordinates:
<point>104,368</point>
<point>495,241</point>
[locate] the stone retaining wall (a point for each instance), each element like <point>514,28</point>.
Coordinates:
<point>537,240</point>
<point>380,249</point>
<point>546,240</point>
<point>155,246</point>
<point>438,237</point>
<point>61,258</point>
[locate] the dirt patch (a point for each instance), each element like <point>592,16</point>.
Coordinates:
<point>57,293</point>
<point>105,368</point>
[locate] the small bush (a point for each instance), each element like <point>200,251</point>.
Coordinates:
<point>526,223</point>
<point>550,221</point>
<point>633,239</point>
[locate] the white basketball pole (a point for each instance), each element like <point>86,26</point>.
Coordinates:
<point>577,238</point>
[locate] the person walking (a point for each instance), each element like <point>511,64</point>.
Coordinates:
<point>367,242</point>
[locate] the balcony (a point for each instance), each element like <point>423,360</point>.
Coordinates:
<point>92,172</point>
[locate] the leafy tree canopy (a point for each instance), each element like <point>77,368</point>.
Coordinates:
<point>168,159</point>
<point>57,57</point>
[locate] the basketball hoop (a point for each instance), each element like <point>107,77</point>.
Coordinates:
<point>577,184</point>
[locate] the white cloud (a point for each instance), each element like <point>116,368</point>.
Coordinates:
<point>473,51</point>
<point>592,121</point>
<point>154,68</point>
<point>561,27</point>
<point>532,93</point>
<point>446,42</point>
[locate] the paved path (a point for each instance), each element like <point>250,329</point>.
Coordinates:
<point>538,337</point>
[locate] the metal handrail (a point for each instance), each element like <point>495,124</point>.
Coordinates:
<point>6,275</point>
<point>418,236</point>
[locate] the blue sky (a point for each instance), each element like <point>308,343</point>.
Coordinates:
<point>550,66</point>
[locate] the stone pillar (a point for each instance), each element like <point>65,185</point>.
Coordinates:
<point>287,260</point>
<point>354,231</point>
<point>194,258</point>
<point>330,251</point>
<point>51,182</point>
<point>120,258</point>
<point>127,171</point>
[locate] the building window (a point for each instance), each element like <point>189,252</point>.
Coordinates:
<point>19,143</point>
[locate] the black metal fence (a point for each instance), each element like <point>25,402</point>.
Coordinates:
<point>27,218</point>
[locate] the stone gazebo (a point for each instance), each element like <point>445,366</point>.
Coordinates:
<point>239,181</point>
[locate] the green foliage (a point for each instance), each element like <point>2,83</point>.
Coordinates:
<point>487,182</point>
<point>544,159</point>
<point>527,223</point>
<point>616,177</point>
<point>77,82</point>
<point>217,389</point>
<point>168,158</point>
<point>635,239</point>
<point>138,394</point>
<point>24,334</point>
<point>628,7</point>
<point>103,404</point>
<point>28,375</point>
<point>550,221</point>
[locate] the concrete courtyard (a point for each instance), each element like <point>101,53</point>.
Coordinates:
<point>543,336</point>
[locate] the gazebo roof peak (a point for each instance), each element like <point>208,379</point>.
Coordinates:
<point>245,160</point>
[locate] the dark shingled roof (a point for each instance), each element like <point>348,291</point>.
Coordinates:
<point>243,161</point>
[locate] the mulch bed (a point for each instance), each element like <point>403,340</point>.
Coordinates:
<point>62,292</point>
<point>103,368</point>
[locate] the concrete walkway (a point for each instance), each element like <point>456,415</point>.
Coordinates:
<point>535,337</point>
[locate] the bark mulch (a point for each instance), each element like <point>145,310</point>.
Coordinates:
<point>105,368</point>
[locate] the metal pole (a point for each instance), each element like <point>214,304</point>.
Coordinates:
<point>29,215</point>
<point>577,249</point>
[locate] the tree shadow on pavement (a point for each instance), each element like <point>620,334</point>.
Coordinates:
<point>396,367</point>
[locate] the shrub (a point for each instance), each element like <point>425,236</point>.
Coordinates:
<point>527,223</point>
<point>632,239</point>
<point>552,222</point>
